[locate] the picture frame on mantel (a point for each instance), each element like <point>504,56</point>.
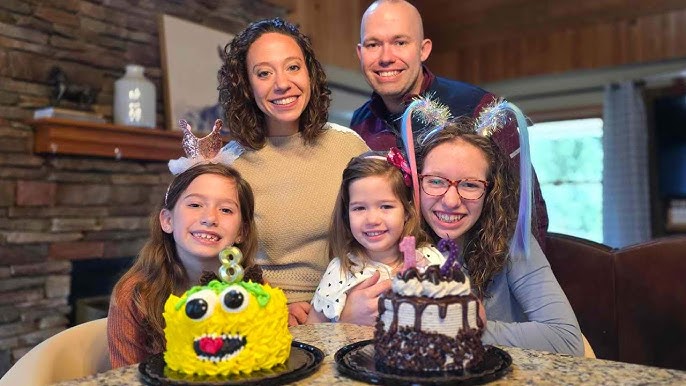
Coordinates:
<point>190,55</point>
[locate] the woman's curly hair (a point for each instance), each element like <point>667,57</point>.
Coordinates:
<point>486,244</point>
<point>246,122</point>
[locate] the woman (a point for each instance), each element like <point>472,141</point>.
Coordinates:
<point>274,93</point>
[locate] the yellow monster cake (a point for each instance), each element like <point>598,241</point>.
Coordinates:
<point>227,327</point>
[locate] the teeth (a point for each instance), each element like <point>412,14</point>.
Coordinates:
<point>372,234</point>
<point>214,335</point>
<point>449,217</point>
<point>206,236</point>
<point>284,101</point>
<point>389,73</point>
<point>215,359</point>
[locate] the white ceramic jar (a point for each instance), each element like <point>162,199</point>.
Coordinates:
<point>134,99</point>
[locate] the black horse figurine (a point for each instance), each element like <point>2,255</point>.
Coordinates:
<point>83,95</point>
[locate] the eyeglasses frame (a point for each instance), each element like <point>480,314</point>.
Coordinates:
<point>455,184</point>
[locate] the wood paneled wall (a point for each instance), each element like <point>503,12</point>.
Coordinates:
<point>533,37</point>
<point>487,41</point>
<point>332,25</point>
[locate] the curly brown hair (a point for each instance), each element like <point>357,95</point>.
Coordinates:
<point>158,271</point>
<point>341,239</point>
<point>486,244</point>
<point>246,122</point>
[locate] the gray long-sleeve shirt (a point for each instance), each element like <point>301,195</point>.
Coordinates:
<point>526,307</point>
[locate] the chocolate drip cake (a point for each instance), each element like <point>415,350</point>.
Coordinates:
<point>429,322</point>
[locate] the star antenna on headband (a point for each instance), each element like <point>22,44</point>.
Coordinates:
<point>430,112</point>
<point>492,117</point>
<point>433,114</point>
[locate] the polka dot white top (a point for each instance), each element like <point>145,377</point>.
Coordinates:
<point>330,296</point>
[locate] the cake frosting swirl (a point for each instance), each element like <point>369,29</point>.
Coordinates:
<point>414,283</point>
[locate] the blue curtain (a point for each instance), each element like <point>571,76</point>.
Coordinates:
<point>626,201</point>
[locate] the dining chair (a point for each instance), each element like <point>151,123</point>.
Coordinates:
<point>73,353</point>
<point>585,271</point>
<point>651,299</point>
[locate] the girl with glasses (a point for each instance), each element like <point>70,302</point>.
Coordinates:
<point>469,194</point>
<point>373,212</point>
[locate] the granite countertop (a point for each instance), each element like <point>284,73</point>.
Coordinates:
<point>528,366</point>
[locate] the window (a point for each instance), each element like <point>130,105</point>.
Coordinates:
<point>568,159</point>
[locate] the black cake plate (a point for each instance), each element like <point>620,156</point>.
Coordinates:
<point>356,361</point>
<point>304,360</point>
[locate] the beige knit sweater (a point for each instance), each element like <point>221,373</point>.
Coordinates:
<point>295,188</point>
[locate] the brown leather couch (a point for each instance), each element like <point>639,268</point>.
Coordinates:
<point>630,302</point>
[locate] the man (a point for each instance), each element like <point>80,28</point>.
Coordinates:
<point>392,51</point>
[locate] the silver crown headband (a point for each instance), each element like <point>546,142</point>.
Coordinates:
<point>207,149</point>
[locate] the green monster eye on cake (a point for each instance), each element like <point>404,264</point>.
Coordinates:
<point>429,320</point>
<point>227,327</point>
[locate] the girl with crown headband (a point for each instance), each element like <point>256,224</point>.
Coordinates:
<point>274,93</point>
<point>373,213</point>
<point>208,207</point>
<point>468,193</point>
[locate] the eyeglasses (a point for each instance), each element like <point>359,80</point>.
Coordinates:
<point>468,188</point>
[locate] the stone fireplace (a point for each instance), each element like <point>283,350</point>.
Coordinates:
<point>92,281</point>
<point>63,209</point>
<point>62,215</point>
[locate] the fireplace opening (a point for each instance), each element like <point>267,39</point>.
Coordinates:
<point>92,281</point>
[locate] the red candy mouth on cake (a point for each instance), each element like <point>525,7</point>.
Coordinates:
<point>218,348</point>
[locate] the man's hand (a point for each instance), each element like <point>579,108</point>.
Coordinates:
<point>362,304</point>
<point>297,313</point>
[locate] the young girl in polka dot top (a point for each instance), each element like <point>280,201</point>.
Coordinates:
<point>373,212</point>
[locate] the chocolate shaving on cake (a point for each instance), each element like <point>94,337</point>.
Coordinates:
<point>253,273</point>
<point>433,274</point>
<point>207,276</point>
<point>428,351</point>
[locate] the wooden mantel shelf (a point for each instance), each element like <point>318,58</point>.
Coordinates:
<point>65,136</point>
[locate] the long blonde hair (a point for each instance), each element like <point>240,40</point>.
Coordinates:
<point>341,240</point>
<point>158,271</point>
